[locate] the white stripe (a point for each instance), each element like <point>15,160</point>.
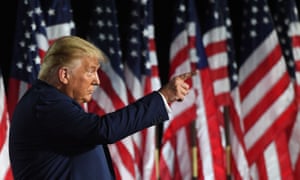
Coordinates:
<point>183,154</point>
<point>103,100</point>
<point>219,60</point>
<point>168,155</point>
<point>294,29</point>
<point>239,155</point>
<point>294,142</point>
<point>22,89</point>
<point>59,30</point>
<point>254,172</point>
<point>155,83</point>
<point>214,35</point>
<point>296,51</point>
<point>272,163</point>
<point>150,29</point>
<point>221,86</point>
<point>2,95</point>
<point>298,77</point>
<point>133,83</point>
<point>42,42</point>
<point>191,29</point>
<point>149,153</point>
<point>116,81</point>
<point>4,155</point>
<point>177,44</point>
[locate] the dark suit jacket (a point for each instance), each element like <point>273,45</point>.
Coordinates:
<point>52,137</point>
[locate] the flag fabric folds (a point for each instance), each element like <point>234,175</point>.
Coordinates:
<point>287,24</point>
<point>194,125</point>
<point>220,49</point>
<point>241,117</point>
<point>141,76</point>
<point>130,73</point>
<point>266,93</point>
<point>112,93</point>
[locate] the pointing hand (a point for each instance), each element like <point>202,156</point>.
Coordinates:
<point>176,89</point>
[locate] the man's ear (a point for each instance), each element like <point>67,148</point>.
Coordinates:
<point>63,75</point>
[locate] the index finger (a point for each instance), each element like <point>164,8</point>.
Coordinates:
<point>187,75</point>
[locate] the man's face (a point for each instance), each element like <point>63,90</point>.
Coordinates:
<point>83,80</point>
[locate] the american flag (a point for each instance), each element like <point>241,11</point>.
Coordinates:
<point>219,46</point>
<point>287,22</point>
<point>112,93</point>
<point>141,75</point>
<point>5,170</point>
<point>30,44</point>
<point>59,19</point>
<point>37,25</point>
<point>198,111</point>
<point>215,39</point>
<point>266,94</point>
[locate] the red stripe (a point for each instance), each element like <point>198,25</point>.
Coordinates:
<point>151,44</point>
<point>284,156</point>
<point>3,125</point>
<point>13,95</point>
<point>220,73</point>
<point>215,48</point>
<point>261,167</point>
<point>296,41</point>
<point>213,118</point>
<point>95,108</point>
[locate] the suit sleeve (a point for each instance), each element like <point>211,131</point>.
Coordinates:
<point>64,121</point>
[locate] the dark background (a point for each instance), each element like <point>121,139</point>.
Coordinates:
<point>163,13</point>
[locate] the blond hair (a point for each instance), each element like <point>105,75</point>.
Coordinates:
<point>64,51</point>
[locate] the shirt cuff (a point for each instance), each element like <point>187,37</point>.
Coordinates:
<point>166,104</point>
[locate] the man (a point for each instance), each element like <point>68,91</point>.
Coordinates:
<point>52,137</point>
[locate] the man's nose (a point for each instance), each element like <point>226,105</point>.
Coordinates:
<point>96,79</point>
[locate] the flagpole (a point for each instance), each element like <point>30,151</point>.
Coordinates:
<point>194,152</point>
<point>227,139</point>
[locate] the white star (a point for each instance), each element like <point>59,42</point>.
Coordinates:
<point>133,40</point>
<point>100,23</point>
<point>51,12</point>
<point>98,10</point>
<point>38,11</point>
<point>32,47</point>
<point>182,8</point>
<point>29,69</point>
<point>133,54</point>
<point>102,37</point>
<point>19,65</point>
<point>37,60</point>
